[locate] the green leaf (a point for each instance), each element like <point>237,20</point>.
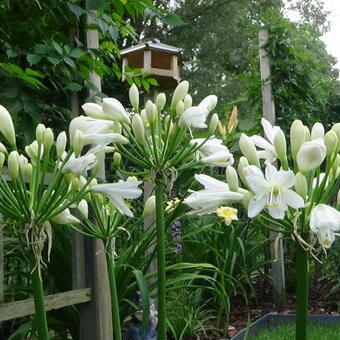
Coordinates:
<point>69,62</point>
<point>143,287</point>
<point>75,9</point>
<point>53,61</point>
<point>33,58</point>
<point>137,82</point>
<point>113,33</point>
<point>77,53</point>
<point>40,48</point>
<point>146,85</point>
<point>57,47</point>
<point>173,19</point>
<point>11,54</point>
<point>153,81</point>
<point>74,87</point>
<point>31,72</point>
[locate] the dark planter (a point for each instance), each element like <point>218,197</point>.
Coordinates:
<point>275,319</point>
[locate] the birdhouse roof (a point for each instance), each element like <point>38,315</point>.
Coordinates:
<point>152,44</point>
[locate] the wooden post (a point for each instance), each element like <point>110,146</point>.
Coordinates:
<point>277,255</point>
<point>96,316</point>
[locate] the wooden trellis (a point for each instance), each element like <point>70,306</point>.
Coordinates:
<point>90,287</point>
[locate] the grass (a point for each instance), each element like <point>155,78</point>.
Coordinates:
<point>287,332</point>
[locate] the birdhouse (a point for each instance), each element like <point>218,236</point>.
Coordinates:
<point>160,60</point>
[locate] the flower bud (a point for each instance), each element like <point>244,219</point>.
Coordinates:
<point>214,120</point>
<point>307,133</point>
<point>209,102</point>
<point>179,108</point>
<point>144,118</point>
<point>48,139</point>
<point>311,155</point>
<point>180,92</point>
<point>115,110</point>
<point>78,142</point>
<point>187,101</point>
<point>94,110</point>
<point>336,129</point>
<point>232,178</point>
<point>151,111</point>
<point>242,164</point>
<point>233,120</point>
<point>39,133</point>
<point>149,206</point>
<point>138,128</point>
<point>27,172</point>
<point>83,208</point>
<point>117,159</point>
<point>13,164</point>
<point>301,185</point>
<point>248,149</point>
<point>280,145</point>
<point>32,151</point>
<point>2,159</point>
<point>6,125</point>
<point>117,128</point>
<point>61,143</point>
<point>23,161</point>
<point>222,129</point>
<point>3,149</point>
<point>331,142</point>
<point>297,136</point>
<point>134,96</point>
<point>160,101</point>
<point>318,131</point>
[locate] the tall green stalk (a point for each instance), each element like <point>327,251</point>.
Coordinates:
<point>113,292</point>
<point>40,319</point>
<point>160,229</point>
<point>302,293</point>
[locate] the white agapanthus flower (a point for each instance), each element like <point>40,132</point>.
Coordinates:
<point>80,165</point>
<point>213,152</point>
<point>324,222</point>
<point>214,194</point>
<point>195,117</point>
<point>311,155</point>
<point>272,191</point>
<point>267,145</point>
<point>117,192</point>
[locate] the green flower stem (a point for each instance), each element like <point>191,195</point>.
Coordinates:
<point>160,229</point>
<point>40,314</point>
<point>302,293</point>
<point>113,292</point>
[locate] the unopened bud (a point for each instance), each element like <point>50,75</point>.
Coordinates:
<point>187,101</point>
<point>134,96</point>
<point>232,178</point>
<point>48,139</point>
<point>242,164</point>
<point>331,142</point>
<point>233,120</point>
<point>280,146</point>
<point>160,101</point>
<point>151,111</point>
<point>78,142</point>
<point>149,206</point>
<point>248,149</point>
<point>180,92</point>
<point>336,129</point>
<point>138,128</point>
<point>318,131</point>
<point>27,172</point>
<point>222,129</point>
<point>168,125</point>
<point>301,185</point>
<point>3,149</point>
<point>179,108</point>
<point>297,136</point>
<point>307,133</point>
<point>214,120</point>
<point>61,143</point>
<point>83,208</point>
<point>40,132</point>
<point>13,164</point>
<point>117,159</point>
<point>32,151</point>
<point>6,125</point>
